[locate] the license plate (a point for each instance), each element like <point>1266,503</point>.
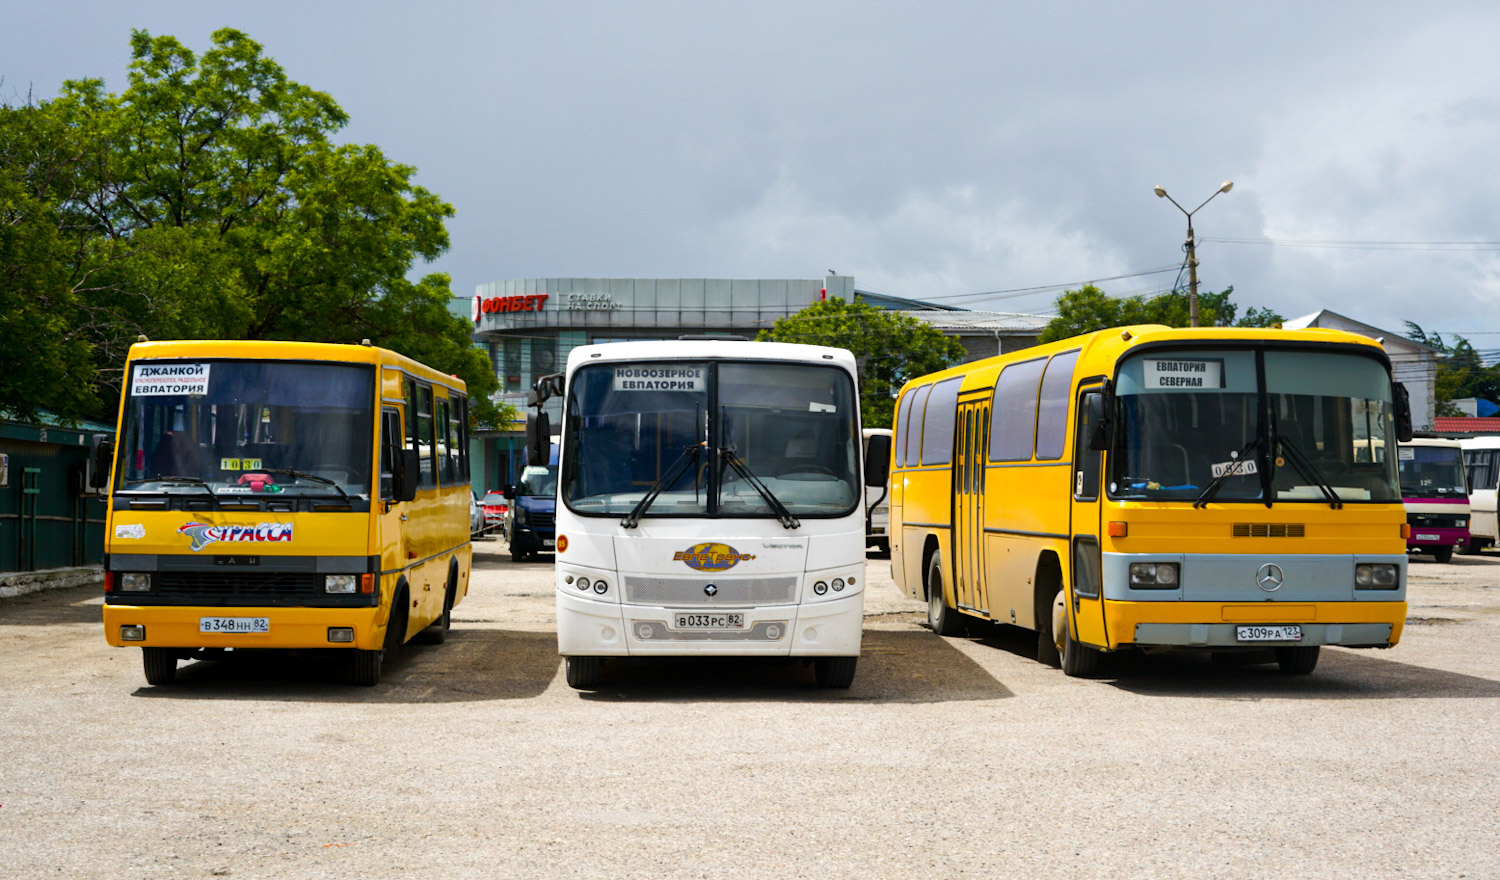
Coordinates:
<point>548,542</point>
<point>715,620</point>
<point>1285,633</point>
<point>234,624</point>
<point>1429,537</point>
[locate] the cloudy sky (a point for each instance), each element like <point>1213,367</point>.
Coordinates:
<point>984,154</point>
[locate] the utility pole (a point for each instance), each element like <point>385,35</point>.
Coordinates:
<point>1192,246</point>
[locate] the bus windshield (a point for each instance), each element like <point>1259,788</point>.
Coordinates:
<point>1202,424</point>
<point>1432,472</point>
<point>241,427</point>
<point>712,438</point>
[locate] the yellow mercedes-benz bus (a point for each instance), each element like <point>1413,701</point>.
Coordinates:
<point>287,495</point>
<point>1146,487</point>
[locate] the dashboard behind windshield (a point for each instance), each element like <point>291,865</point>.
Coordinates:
<point>226,426</point>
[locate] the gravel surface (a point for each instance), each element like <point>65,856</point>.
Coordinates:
<point>955,757</point>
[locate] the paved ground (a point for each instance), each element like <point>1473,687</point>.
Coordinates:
<point>948,757</point>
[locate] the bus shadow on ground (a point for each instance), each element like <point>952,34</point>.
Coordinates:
<point>473,665</point>
<point>1341,674</point>
<point>894,667</point>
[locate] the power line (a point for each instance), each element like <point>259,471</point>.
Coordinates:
<point>1459,246</point>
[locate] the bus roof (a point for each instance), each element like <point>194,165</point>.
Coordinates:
<point>709,349</point>
<point>279,350</point>
<point>1102,349</point>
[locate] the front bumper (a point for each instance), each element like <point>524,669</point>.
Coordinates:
<point>177,626</point>
<point>1209,624</point>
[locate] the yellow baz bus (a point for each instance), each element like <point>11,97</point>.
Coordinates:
<point>285,495</point>
<point>1146,487</point>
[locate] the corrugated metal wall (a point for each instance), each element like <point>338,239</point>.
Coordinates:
<point>44,521</point>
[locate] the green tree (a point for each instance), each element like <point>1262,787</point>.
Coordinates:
<point>1461,372</point>
<point>208,201</point>
<point>1089,309</point>
<point>890,348</point>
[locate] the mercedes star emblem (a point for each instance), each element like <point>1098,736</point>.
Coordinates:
<point>1269,577</point>
<point>711,590</point>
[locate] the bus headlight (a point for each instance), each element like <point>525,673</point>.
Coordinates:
<point>1153,575</point>
<point>135,582</point>
<point>1376,576</point>
<point>1462,523</point>
<point>821,587</point>
<point>600,586</point>
<point>341,583</point>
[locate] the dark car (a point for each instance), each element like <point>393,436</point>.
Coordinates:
<point>530,522</point>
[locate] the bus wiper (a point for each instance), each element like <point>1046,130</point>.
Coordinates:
<point>304,475</point>
<point>783,515</point>
<point>1310,472</point>
<point>684,461</point>
<point>194,481</point>
<point>1212,488</point>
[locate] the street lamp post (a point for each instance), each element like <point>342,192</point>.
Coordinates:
<point>1161,192</point>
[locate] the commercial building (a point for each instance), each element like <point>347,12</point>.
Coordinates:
<point>529,326</point>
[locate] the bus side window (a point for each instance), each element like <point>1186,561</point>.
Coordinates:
<point>390,444</point>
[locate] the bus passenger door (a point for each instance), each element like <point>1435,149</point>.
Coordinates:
<point>391,513</point>
<point>968,508</point>
<point>1085,567</point>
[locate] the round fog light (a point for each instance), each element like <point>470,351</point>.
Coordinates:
<point>601,587</point>
<point>820,588</point>
<point>838,585</point>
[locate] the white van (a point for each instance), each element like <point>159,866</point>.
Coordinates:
<point>1482,464</point>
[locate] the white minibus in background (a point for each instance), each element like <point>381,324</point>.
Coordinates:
<point>1482,465</point>
<point>711,502</point>
<point>877,498</point>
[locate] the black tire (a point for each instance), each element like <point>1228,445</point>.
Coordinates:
<point>160,665</point>
<point>943,619</point>
<point>1297,661</point>
<point>518,556</point>
<point>1443,554</point>
<point>1078,661</point>
<point>583,672</point>
<point>835,672</point>
<point>368,666</point>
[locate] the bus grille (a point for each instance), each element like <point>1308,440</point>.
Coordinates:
<point>1270,530</point>
<point>689,592</point>
<point>236,584</point>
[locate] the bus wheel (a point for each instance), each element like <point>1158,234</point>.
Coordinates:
<point>943,620</point>
<point>1443,554</point>
<point>835,672</point>
<point>1077,661</point>
<point>161,665</point>
<point>368,665</point>
<point>437,632</point>
<point>1469,547</point>
<point>583,672</point>
<point>1297,661</point>
<point>1050,622</point>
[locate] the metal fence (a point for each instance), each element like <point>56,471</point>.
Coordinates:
<point>46,518</point>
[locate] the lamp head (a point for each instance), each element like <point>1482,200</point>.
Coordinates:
<point>1161,191</point>
<point>1228,185</point>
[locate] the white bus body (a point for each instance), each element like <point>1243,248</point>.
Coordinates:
<point>1482,464</point>
<point>878,502</point>
<point>710,503</point>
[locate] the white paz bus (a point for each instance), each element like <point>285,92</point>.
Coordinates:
<point>710,502</point>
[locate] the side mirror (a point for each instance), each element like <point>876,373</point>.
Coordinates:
<point>509,492</point>
<point>102,457</point>
<point>1403,412</point>
<point>877,460</point>
<point>1104,430</point>
<point>538,438</point>
<point>408,474</point>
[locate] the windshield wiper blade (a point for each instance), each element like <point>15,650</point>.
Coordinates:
<point>1234,469</point>
<point>1309,471</point>
<point>192,481</point>
<point>686,459</point>
<point>304,475</point>
<point>783,515</point>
